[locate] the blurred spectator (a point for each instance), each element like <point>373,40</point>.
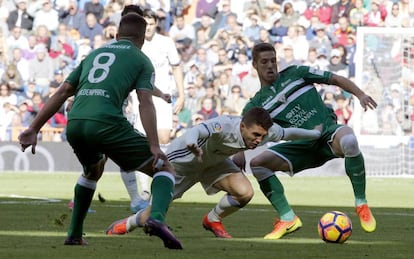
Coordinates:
<point>220,20</point>
<point>203,27</point>
<point>394,18</point>
<point>73,18</point>
<point>43,36</point>
<point>207,8</point>
<point>20,17</point>
<point>223,62</point>
<point>341,9</point>
<point>264,37</point>
<point>29,90</point>
<point>183,34</point>
<point>30,52</point>
<point>320,9</point>
<point>46,16</point>
<point>202,62</point>
<point>277,30</point>
<point>288,58</point>
<point>242,66</point>
<point>62,46</point>
<point>211,93</point>
<point>298,42</point>
<point>253,30</point>
<point>191,74</point>
<point>16,39</point>
<point>336,65</point>
<point>178,127</point>
<point>376,16</point>
<point>312,60</point>
<point>357,14</point>
<point>223,84</point>
<point>250,83</point>
<point>321,40</point>
<point>207,110</point>
<point>289,15</point>
<point>6,95</point>
<point>7,112</point>
<point>343,111</point>
<point>41,68</point>
<point>89,28</point>
<point>94,7</point>
<point>191,98</point>
<point>13,78</point>
<point>342,32</point>
<point>322,59</point>
<point>22,64</point>
<point>236,101</point>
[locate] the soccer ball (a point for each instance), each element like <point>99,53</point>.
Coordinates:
<point>335,227</point>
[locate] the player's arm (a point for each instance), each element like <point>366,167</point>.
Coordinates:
<point>277,133</point>
<point>158,93</point>
<point>149,122</point>
<point>192,136</point>
<point>240,160</point>
<point>179,80</point>
<point>29,136</point>
<point>365,100</point>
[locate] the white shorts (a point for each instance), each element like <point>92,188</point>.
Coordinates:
<point>188,174</point>
<point>164,113</point>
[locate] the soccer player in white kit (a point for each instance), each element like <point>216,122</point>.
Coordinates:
<point>203,154</point>
<point>164,56</point>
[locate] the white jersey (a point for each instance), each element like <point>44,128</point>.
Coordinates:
<point>218,138</point>
<point>163,53</point>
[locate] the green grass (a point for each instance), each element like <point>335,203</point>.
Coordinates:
<point>36,227</point>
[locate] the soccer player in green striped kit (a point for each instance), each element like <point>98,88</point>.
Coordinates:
<point>97,128</point>
<point>292,101</point>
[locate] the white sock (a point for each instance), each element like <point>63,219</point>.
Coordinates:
<point>130,182</point>
<point>144,183</point>
<point>226,204</point>
<point>133,221</point>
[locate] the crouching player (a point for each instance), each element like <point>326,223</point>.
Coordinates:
<point>202,155</point>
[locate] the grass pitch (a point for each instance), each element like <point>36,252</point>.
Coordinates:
<point>35,218</point>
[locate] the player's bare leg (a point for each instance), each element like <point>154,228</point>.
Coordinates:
<point>239,193</point>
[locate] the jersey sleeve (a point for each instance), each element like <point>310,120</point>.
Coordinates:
<point>146,77</point>
<point>313,75</point>
<point>74,77</point>
<point>275,134</point>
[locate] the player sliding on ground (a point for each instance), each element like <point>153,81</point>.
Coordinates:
<point>293,101</point>
<point>202,155</point>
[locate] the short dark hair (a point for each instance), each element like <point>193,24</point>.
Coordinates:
<point>148,13</point>
<point>261,47</point>
<point>132,26</point>
<point>132,9</point>
<point>258,116</point>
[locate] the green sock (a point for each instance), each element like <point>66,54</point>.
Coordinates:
<point>355,169</point>
<point>82,201</point>
<point>162,194</point>
<point>273,189</point>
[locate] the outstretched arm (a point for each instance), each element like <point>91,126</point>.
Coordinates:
<point>29,136</point>
<point>365,100</point>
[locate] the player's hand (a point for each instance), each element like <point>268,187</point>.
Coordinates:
<point>28,138</point>
<point>319,127</point>
<point>166,98</point>
<point>179,104</point>
<point>197,151</point>
<point>366,102</point>
<point>158,155</point>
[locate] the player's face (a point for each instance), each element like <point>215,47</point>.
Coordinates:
<point>266,66</point>
<point>253,135</point>
<point>151,28</point>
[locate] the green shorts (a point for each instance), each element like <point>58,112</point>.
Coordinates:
<point>90,140</point>
<point>305,154</point>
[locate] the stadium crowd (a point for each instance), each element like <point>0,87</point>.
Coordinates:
<point>41,41</point>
